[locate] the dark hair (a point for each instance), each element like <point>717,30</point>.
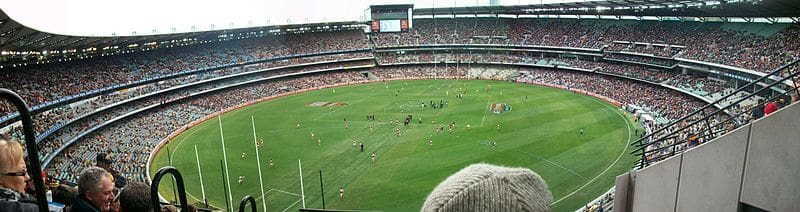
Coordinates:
<point>64,194</point>
<point>135,197</point>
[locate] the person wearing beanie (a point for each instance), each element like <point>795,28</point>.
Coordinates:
<point>485,187</point>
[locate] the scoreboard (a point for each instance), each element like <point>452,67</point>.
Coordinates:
<point>391,18</point>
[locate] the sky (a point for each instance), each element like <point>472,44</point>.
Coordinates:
<point>147,17</point>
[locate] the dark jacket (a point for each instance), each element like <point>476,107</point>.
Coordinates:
<point>11,200</point>
<point>81,204</point>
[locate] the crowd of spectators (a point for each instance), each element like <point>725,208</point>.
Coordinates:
<point>68,132</point>
<point>710,42</point>
<point>39,84</point>
<point>57,117</point>
<point>132,139</point>
<point>661,50</point>
<point>639,72</point>
<point>634,71</point>
<point>459,57</point>
<point>421,71</point>
<point>668,103</point>
<point>699,85</point>
<point>641,59</point>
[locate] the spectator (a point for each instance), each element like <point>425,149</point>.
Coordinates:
<point>104,161</point>
<point>758,112</point>
<point>135,197</point>
<point>484,187</point>
<point>770,107</point>
<point>95,190</point>
<point>64,194</point>
<point>12,181</point>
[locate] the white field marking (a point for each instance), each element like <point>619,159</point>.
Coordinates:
<point>258,160</point>
<point>176,149</point>
<point>225,158</point>
<point>199,172</point>
<point>628,125</point>
<point>196,129</point>
<point>290,206</point>
<point>265,193</point>
<point>484,112</point>
<point>282,191</point>
<point>199,200</point>
<point>555,164</point>
<point>302,189</point>
<point>286,192</point>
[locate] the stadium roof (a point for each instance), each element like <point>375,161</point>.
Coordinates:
<point>18,42</point>
<point>21,44</point>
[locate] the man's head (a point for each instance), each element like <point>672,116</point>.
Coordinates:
<point>104,161</point>
<point>97,185</point>
<point>135,197</point>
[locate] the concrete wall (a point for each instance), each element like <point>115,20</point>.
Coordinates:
<point>711,174</point>
<point>772,172</point>
<point>656,188</point>
<point>757,164</point>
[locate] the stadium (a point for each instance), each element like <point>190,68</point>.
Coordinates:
<point>617,105</point>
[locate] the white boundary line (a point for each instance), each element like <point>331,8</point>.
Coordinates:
<point>225,158</point>
<point>273,189</point>
<point>627,143</point>
<point>286,192</point>
<point>258,160</point>
<point>181,142</point>
<point>302,189</point>
<point>551,162</point>
<point>200,173</point>
<point>290,206</point>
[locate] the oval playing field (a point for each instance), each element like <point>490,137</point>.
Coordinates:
<point>537,127</point>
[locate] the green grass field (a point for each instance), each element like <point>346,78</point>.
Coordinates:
<point>540,133</point>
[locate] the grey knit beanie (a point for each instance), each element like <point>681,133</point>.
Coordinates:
<point>484,187</point>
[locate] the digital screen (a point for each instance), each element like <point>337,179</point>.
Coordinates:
<point>390,25</point>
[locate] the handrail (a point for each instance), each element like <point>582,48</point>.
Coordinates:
<point>154,200</point>
<point>708,131</point>
<point>244,202</point>
<point>33,152</point>
<point>710,127</point>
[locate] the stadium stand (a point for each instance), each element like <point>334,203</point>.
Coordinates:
<point>711,42</point>
<point>636,64</point>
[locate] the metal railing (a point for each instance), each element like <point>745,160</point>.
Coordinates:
<point>245,200</point>
<point>708,122</point>
<point>154,198</point>
<point>35,167</point>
